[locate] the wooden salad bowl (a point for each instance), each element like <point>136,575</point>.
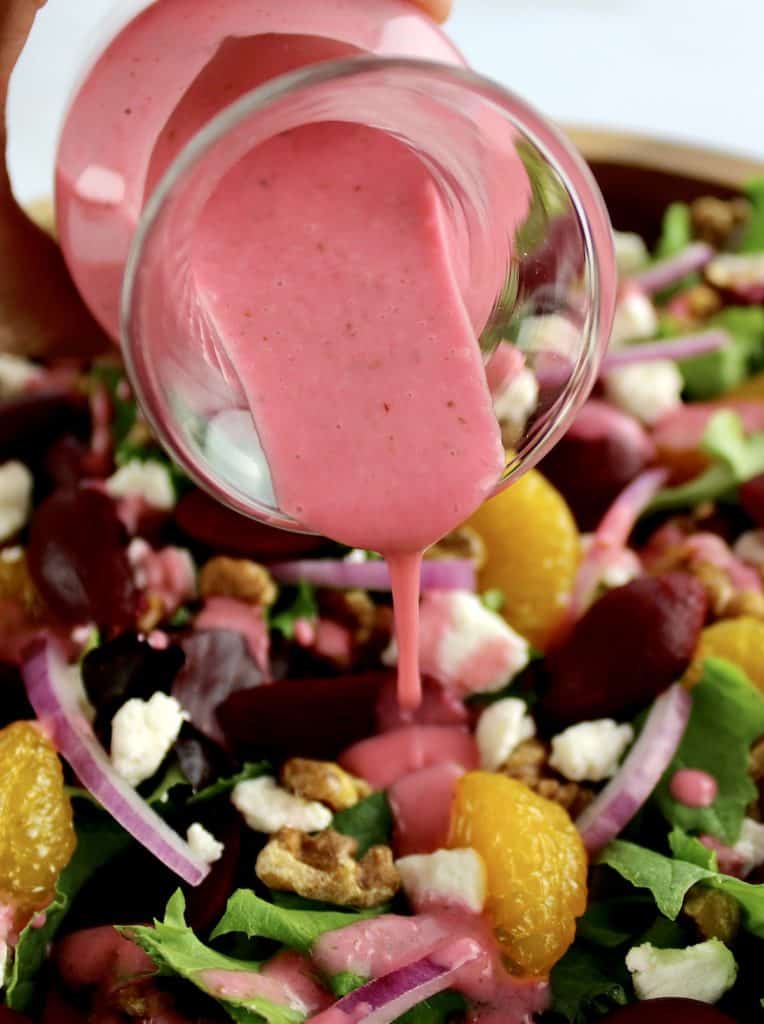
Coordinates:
<point>640,175</point>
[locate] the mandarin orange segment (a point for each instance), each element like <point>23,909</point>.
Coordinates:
<point>740,641</point>
<point>535,864</point>
<point>37,836</point>
<point>532,553</point>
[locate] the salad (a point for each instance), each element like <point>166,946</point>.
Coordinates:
<point>212,807</point>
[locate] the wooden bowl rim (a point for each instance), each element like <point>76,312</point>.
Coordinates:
<point>636,149</point>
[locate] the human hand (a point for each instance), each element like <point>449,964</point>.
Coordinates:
<point>40,309</point>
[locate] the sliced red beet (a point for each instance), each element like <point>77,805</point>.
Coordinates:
<point>421,804</point>
<point>218,663</point>
<point>630,646</point>
<point>29,423</point>
<point>382,760</point>
<point>668,1011</point>
<point>78,559</point>
<point>303,717</point>
<point>206,902</point>
<point>752,499</point>
<point>208,522</point>
<point>603,451</point>
<point>11,1017</point>
<point>58,1010</point>
<point>438,707</point>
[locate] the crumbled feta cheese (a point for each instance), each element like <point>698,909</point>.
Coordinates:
<point>646,391</point>
<point>635,318</point>
<point>203,844</point>
<point>749,547</point>
<point>16,483</point>
<point>590,751</point>
<point>465,645</point>
<point>149,480</point>
<point>703,972</point>
<point>503,726</point>
<point>4,951</point>
<point>15,374</point>
<point>740,270</point>
<point>630,252</point>
<point>551,332</point>
<point>142,732</point>
<point>515,402</point>
<point>267,807</point>
<point>750,846</point>
<point>446,877</point>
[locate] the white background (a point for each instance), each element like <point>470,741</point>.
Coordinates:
<point>689,69</point>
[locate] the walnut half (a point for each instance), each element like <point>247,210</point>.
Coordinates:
<point>237,577</point>
<point>323,867</point>
<point>528,763</point>
<point>323,781</point>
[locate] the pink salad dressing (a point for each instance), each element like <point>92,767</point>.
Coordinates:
<point>381,760</point>
<point>693,788</point>
<point>353,346</point>
<point>421,804</point>
<point>375,948</point>
<point>286,980</point>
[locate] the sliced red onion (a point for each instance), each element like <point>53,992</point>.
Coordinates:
<point>54,699</point>
<point>437,573</point>
<point>667,272</point>
<point>672,348</point>
<point>385,999</point>
<point>640,773</point>
<point>611,536</point>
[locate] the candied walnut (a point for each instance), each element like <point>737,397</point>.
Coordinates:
<point>16,583</point>
<point>152,611</point>
<point>351,608</point>
<point>463,542</point>
<point>529,764</point>
<point>323,781</point>
<point>323,867</point>
<point>719,590</point>
<point>237,577</point>
<point>746,604</point>
<point>703,301</point>
<point>716,914</point>
<point>717,220</point>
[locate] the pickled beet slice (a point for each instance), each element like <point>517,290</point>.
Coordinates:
<point>127,667</point>
<point>78,559</point>
<point>603,451</point>
<point>218,663</point>
<point>668,1011</point>
<point>208,522</point>
<point>304,717</point>
<point>752,499</point>
<point>28,423</point>
<point>629,646</point>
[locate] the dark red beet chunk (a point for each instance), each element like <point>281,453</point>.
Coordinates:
<point>28,423</point>
<point>630,646</point>
<point>78,559</point>
<point>668,1011</point>
<point>11,1017</point>
<point>752,499</point>
<point>601,453</point>
<point>205,903</point>
<point>208,522</point>
<point>304,717</point>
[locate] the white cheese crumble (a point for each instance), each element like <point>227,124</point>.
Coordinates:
<point>703,972</point>
<point>630,252</point>
<point>267,807</point>
<point>149,480</point>
<point>635,318</point>
<point>646,391</point>
<point>749,547</point>
<point>621,567</point>
<point>446,877</point>
<point>590,751</point>
<point>502,727</point>
<point>472,629</point>
<point>736,269</point>
<point>15,374</point>
<point>16,483</point>
<point>142,732</point>
<point>515,403</point>
<point>750,845</point>
<point>203,844</point>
